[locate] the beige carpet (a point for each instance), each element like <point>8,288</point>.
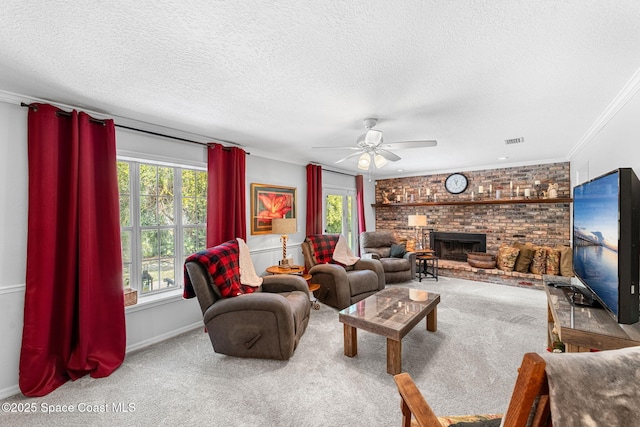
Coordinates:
<point>468,366</point>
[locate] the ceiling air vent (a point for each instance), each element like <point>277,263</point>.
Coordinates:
<point>514,140</point>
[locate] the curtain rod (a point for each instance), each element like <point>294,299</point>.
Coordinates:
<point>63,113</point>
<point>67,114</point>
<point>324,169</point>
<point>160,134</point>
<point>340,173</point>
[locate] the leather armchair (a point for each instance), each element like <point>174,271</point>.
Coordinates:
<point>377,245</point>
<point>266,324</point>
<point>341,287</point>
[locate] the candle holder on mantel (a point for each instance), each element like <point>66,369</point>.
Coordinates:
<point>537,189</point>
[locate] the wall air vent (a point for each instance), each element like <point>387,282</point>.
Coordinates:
<point>514,140</point>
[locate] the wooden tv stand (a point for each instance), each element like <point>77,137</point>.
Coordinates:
<point>584,328</point>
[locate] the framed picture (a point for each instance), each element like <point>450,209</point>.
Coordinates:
<point>269,202</point>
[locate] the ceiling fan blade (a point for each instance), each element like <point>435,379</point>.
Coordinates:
<point>388,155</point>
<point>410,144</point>
<point>349,156</point>
<point>336,148</point>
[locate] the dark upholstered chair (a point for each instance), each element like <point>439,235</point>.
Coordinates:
<point>341,287</point>
<point>266,324</point>
<point>377,244</point>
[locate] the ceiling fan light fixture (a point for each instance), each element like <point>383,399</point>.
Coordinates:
<point>364,161</point>
<point>379,161</point>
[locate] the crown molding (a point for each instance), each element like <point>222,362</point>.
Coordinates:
<point>625,95</point>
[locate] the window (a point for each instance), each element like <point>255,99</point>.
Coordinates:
<point>340,215</point>
<point>155,238</point>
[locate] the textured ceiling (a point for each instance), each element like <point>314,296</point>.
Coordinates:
<point>280,77</point>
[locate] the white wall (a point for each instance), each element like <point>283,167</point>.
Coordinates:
<point>616,145</point>
<point>266,249</point>
<point>151,320</point>
<point>13,239</point>
<point>369,199</point>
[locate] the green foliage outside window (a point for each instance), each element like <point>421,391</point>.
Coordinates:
<point>194,210</point>
<point>334,214</point>
<point>124,190</point>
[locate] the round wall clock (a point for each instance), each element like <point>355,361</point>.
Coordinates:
<point>456,183</point>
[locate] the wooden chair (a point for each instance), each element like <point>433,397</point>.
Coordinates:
<point>530,398</point>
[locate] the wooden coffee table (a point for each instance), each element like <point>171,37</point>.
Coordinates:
<point>392,313</point>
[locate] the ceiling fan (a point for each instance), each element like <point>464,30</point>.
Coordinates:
<point>371,147</point>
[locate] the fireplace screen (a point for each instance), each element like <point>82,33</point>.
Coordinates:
<point>456,246</point>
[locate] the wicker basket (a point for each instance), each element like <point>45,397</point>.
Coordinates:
<point>481,260</point>
<point>130,297</point>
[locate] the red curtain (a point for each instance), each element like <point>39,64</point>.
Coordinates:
<point>74,321</point>
<point>360,203</point>
<point>314,199</point>
<point>226,202</point>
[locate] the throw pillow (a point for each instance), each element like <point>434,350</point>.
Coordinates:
<point>539,262</point>
<point>397,251</point>
<point>248,274</point>
<point>553,261</point>
<point>566,261</point>
<point>507,256</point>
<point>523,262</point>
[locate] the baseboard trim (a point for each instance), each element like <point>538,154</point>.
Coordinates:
<point>9,391</point>
<point>163,337</point>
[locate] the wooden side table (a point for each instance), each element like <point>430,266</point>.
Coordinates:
<point>427,266</point>
<point>294,269</point>
<point>298,270</point>
<point>312,288</point>
<point>424,252</point>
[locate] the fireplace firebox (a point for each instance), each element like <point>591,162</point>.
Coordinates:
<point>456,246</point>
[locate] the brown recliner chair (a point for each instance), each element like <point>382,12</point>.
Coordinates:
<point>377,244</point>
<point>266,324</point>
<point>341,286</point>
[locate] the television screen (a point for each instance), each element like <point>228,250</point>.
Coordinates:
<point>605,241</point>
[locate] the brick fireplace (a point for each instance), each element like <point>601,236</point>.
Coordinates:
<point>455,246</point>
<point>541,224</point>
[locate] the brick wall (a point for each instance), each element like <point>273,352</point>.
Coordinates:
<point>539,223</point>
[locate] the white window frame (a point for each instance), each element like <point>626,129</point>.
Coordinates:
<point>136,229</point>
<point>345,193</point>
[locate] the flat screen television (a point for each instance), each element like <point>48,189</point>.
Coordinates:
<point>606,239</point>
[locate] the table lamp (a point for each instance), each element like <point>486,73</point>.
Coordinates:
<point>417,221</point>
<point>284,226</point>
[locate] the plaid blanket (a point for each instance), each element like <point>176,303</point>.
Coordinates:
<point>323,246</point>
<point>223,263</point>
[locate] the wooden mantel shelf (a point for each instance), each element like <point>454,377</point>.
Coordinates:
<point>475,202</point>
